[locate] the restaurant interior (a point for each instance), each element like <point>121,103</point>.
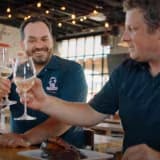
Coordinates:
<point>88,32</point>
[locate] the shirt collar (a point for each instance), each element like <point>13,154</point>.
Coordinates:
<point>53,63</point>
<point>141,65</point>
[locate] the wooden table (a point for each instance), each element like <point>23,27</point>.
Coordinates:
<point>108,144</point>
<point>114,121</point>
<point>108,128</point>
<point>11,154</point>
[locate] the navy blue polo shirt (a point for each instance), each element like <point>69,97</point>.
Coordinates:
<point>136,94</point>
<point>61,78</point>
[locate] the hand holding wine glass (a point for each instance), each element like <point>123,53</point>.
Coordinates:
<point>24,75</point>
<point>6,68</point>
<point>37,97</point>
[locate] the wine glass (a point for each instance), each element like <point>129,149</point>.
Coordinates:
<point>24,75</point>
<point>6,69</point>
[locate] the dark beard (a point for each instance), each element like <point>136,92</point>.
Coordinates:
<point>41,62</point>
<point>41,49</point>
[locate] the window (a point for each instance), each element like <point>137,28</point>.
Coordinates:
<point>89,52</point>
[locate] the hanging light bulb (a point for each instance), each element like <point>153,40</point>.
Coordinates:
<point>59,25</point>
<point>73,16</point>
<point>39,5</point>
<point>47,11</point>
<point>95,12</point>
<point>25,18</point>
<point>73,22</point>
<point>84,17</point>
<point>9,16</point>
<point>106,25</point>
<point>28,17</point>
<point>63,8</point>
<point>81,19</point>
<point>8,10</point>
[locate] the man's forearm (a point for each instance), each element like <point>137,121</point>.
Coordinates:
<point>50,128</point>
<point>74,113</point>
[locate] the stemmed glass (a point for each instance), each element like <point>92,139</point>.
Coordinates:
<point>6,69</point>
<point>24,75</point>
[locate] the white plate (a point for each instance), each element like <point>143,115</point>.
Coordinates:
<point>36,153</point>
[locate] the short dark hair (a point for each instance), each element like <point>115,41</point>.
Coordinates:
<point>33,20</point>
<point>150,10</point>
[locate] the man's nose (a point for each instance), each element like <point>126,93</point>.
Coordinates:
<point>124,40</point>
<point>125,37</point>
<point>39,44</point>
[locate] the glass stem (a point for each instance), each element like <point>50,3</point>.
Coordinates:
<point>25,103</point>
<point>5,101</point>
<point>6,98</point>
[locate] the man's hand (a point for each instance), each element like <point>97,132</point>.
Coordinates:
<point>13,140</point>
<point>36,96</point>
<point>141,152</point>
<point>5,86</point>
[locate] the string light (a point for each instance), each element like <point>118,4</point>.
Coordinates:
<point>47,12</point>
<point>63,8</point>
<point>27,17</point>
<point>73,22</point>
<point>84,17</point>
<point>9,16</point>
<point>106,25</point>
<point>59,25</point>
<point>73,16</point>
<point>39,5</point>
<point>81,19</point>
<point>95,12</point>
<point>8,10</point>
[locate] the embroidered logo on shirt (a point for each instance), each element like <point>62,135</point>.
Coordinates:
<point>52,84</point>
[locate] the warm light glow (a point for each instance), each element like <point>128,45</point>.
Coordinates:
<point>27,17</point>
<point>91,30</point>
<point>84,17</point>
<point>47,11</point>
<point>106,25</point>
<point>63,8</point>
<point>95,12</point>
<point>9,16</point>
<point>59,24</point>
<point>81,19</point>
<point>8,10</point>
<point>73,16</point>
<point>39,4</point>
<point>73,22</point>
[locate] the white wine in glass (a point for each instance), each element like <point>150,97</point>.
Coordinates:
<point>24,85</point>
<point>6,69</point>
<point>24,75</point>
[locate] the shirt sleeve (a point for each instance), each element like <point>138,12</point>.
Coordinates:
<point>107,99</point>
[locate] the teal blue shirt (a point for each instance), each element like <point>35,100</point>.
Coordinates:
<point>61,78</point>
<point>136,94</point>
